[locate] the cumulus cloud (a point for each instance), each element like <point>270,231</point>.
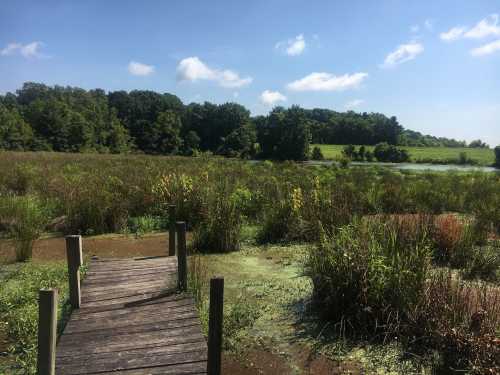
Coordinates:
<point>30,50</point>
<point>453,34</point>
<point>271,97</point>
<point>140,69</point>
<point>193,69</point>
<point>404,52</point>
<point>354,103</point>
<point>486,49</point>
<point>486,27</point>
<point>293,47</point>
<point>327,82</point>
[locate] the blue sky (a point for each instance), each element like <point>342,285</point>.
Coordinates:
<point>433,64</point>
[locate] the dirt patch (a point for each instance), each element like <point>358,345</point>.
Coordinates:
<point>261,362</point>
<point>106,246</point>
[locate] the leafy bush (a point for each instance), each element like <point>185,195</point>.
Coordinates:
<point>367,278</point>
<point>484,263</point>
<point>497,156</point>
<point>220,226</point>
<point>26,218</point>
<point>389,153</point>
<point>317,154</point>
<point>145,224</point>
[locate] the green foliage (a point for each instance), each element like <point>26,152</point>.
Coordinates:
<point>144,224</point>
<point>317,154</point>
<point>25,218</point>
<point>284,134</point>
<point>484,263</point>
<point>497,156</point>
<point>389,153</point>
<point>220,227</point>
<point>368,277</point>
<point>19,309</point>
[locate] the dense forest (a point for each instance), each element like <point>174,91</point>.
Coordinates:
<point>70,119</point>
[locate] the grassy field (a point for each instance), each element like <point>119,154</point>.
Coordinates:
<point>428,154</point>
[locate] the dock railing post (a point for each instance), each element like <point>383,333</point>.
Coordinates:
<point>47,332</point>
<point>74,257</point>
<point>171,230</point>
<point>215,321</point>
<point>181,255</point>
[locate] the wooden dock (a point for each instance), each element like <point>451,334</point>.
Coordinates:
<point>132,321</point>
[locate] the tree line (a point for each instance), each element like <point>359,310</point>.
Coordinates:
<point>70,119</point>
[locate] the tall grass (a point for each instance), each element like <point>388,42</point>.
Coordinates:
<point>25,218</point>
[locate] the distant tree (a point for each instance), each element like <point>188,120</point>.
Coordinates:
<point>349,151</point>
<point>369,156</point>
<point>191,143</point>
<point>239,143</point>
<point>317,154</point>
<point>163,137</point>
<point>15,133</point>
<point>285,134</point>
<point>390,153</point>
<point>497,156</point>
<point>362,153</point>
<point>478,144</point>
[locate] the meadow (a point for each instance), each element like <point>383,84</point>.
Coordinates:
<point>354,263</point>
<point>434,155</point>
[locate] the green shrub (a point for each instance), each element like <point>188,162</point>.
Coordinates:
<point>367,278</point>
<point>26,218</point>
<point>484,263</point>
<point>145,224</point>
<point>317,154</point>
<point>220,225</point>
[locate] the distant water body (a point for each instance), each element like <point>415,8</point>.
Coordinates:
<point>413,166</point>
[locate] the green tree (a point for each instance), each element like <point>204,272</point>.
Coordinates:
<point>15,133</point>
<point>164,135</point>
<point>497,156</point>
<point>317,154</point>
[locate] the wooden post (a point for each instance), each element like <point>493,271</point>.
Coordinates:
<point>171,230</point>
<point>74,257</point>
<point>181,255</point>
<point>47,332</point>
<point>215,320</point>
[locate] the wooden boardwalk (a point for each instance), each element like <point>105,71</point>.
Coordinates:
<point>132,321</point>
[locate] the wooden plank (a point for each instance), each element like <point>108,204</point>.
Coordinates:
<point>131,323</point>
<point>79,336</point>
<point>117,363</point>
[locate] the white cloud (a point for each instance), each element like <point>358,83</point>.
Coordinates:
<point>404,52</point>
<point>327,82</point>
<point>486,27</point>
<point>415,29</point>
<point>293,47</point>
<point>453,34</point>
<point>271,97</point>
<point>354,103</point>
<point>486,49</point>
<point>30,50</point>
<point>140,69</point>
<point>193,69</point>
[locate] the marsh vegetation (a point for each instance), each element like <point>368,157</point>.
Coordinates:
<point>347,257</point>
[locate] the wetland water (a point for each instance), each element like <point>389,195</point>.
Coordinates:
<point>413,166</point>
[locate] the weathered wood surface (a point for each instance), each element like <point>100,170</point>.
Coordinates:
<point>132,321</point>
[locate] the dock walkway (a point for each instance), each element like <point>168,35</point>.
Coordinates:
<point>132,321</point>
